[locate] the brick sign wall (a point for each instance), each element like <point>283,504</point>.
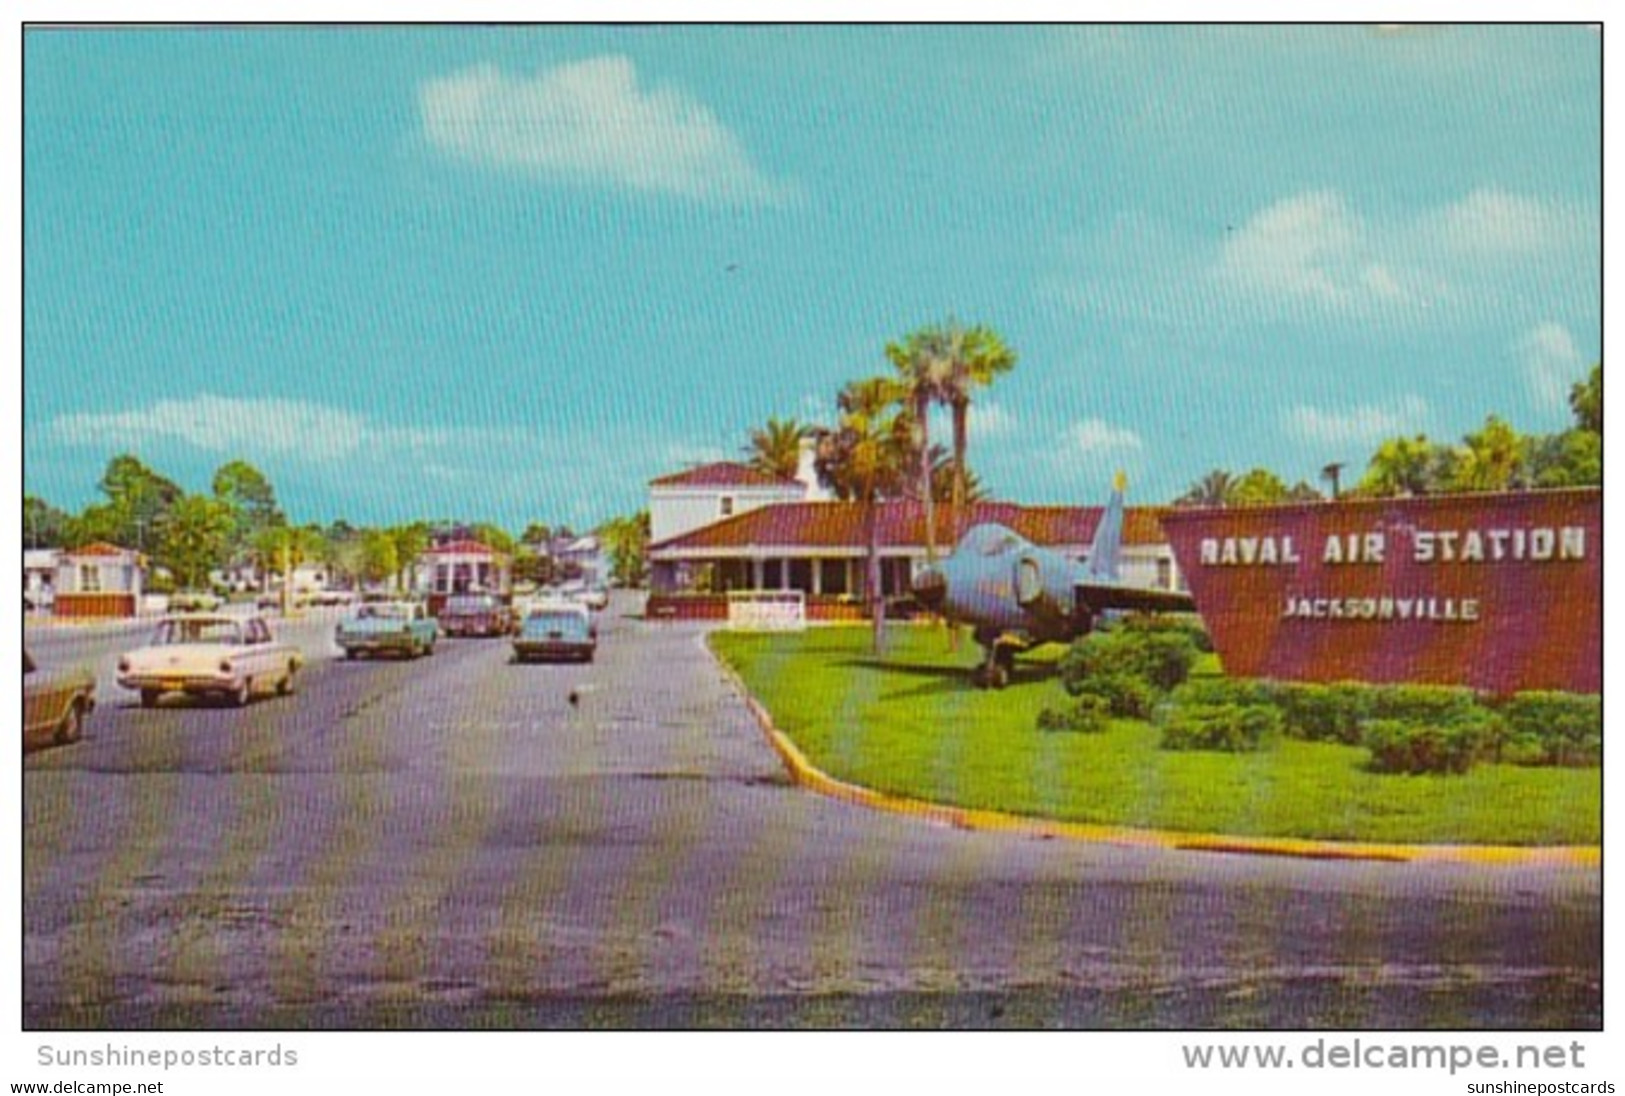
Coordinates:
<point>1501,592</point>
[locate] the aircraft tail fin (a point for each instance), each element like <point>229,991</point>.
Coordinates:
<point>1108,545</point>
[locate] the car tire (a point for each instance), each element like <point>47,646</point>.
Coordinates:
<point>149,698</point>
<point>285,686</point>
<point>72,725</point>
<point>244,693</point>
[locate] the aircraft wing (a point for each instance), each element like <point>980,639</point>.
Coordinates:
<point>1098,596</point>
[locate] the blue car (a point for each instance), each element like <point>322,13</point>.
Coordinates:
<point>556,632</point>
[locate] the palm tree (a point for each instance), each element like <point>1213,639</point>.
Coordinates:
<point>776,448</point>
<point>1213,489</point>
<point>925,367</point>
<point>977,357</point>
<point>1406,466</point>
<point>865,459</point>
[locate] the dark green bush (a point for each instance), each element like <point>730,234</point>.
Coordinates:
<point>1089,715</point>
<point>1446,746</point>
<point>1551,728</point>
<point>1125,696</point>
<point>1163,658</point>
<point>1431,704</point>
<point>1231,727</point>
<point>1246,692</point>
<point>1325,713</point>
<point>1186,624</point>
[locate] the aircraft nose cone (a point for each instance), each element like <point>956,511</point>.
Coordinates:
<point>930,588</point>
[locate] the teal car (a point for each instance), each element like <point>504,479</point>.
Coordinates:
<point>390,627</point>
<point>556,632</point>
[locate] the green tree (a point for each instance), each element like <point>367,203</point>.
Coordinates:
<point>1212,489</point>
<point>775,449</point>
<point>494,537</point>
<point>138,500</point>
<point>1259,487</point>
<point>1586,400</point>
<point>1491,459</point>
<point>977,357</point>
<point>379,559</point>
<point>1406,466</point>
<point>627,541</point>
<point>925,369</point>
<point>1570,459</point>
<point>44,526</point>
<point>411,541</point>
<point>244,489</point>
<point>865,459</point>
<point>195,538</point>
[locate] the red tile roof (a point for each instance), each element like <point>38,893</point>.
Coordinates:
<point>100,548</point>
<point>461,548</point>
<point>723,474</point>
<point>902,524</point>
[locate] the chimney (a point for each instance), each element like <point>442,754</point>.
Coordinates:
<point>807,472</point>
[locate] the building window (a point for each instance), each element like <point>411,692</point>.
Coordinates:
<point>773,574</point>
<point>834,576</point>
<point>90,578</point>
<point>801,575</point>
<point>1165,573</point>
<point>727,505</point>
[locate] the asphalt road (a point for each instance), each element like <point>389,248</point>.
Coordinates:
<point>452,843</point>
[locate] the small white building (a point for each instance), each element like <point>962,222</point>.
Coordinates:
<point>39,575</point>
<point>99,580</point>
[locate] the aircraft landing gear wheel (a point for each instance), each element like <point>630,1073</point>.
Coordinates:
<point>998,675</point>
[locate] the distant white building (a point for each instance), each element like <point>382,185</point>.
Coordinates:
<point>39,575</point>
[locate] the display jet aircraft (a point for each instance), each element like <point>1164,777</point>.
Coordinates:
<point>1017,595</point>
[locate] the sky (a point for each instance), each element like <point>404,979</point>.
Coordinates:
<point>513,274</point>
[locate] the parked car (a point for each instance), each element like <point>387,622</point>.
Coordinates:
<point>205,654</point>
<point>556,631</point>
<point>475,615</point>
<point>271,601</point>
<point>55,702</point>
<point>388,627</point>
<point>193,601</point>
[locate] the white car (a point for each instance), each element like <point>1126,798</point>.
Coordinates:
<point>204,654</point>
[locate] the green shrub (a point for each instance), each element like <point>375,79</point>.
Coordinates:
<point>1234,728</point>
<point>1325,713</point>
<point>1125,696</point>
<point>1552,728</point>
<point>1089,715</point>
<point>1448,746</point>
<point>1186,624</point>
<point>1423,703</point>
<point>1163,658</point>
<point>1245,692</point>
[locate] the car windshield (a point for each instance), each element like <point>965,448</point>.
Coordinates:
<point>538,623</point>
<point>384,612</point>
<point>172,632</point>
<point>471,604</point>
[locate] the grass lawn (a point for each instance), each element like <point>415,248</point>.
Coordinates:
<point>911,724</point>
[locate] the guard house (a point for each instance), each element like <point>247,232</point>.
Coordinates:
<point>39,575</point>
<point>463,567</point>
<point>99,580</point>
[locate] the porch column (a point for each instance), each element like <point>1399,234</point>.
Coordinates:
<point>756,573</point>
<point>817,567</point>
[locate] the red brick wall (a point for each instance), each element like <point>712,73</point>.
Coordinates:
<point>1535,623</point>
<point>94,605</point>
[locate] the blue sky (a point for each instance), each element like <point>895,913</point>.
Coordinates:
<point>514,274</point>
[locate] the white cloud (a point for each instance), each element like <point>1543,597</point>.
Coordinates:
<point>1364,424</point>
<point>1301,248</point>
<point>590,122</point>
<point>1491,222</point>
<point>259,426</point>
<point>1552,363</point>
<point>1096,436</point>
<point>990,420</point>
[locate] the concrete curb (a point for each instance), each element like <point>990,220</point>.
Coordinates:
<point>808,776</point>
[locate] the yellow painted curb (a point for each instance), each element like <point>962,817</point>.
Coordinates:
<point>808,776</point>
